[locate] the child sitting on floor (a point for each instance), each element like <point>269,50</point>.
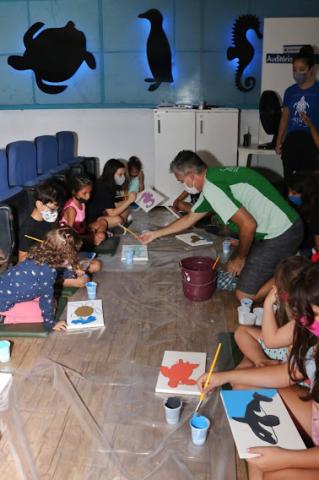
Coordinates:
<point>73,215</point>
<point>103,211</point>
<point>273,462</point>
<point>269,344</point>
<point>48,198</point>
<point>26,290</point>
<point>136,175</point>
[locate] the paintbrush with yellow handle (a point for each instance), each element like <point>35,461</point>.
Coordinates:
<point>129,231</point>
<point>210,373</point>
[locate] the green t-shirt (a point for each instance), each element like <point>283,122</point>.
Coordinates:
<point>227,189</point>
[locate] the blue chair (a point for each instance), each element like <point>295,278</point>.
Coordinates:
<point>6,191</point>
<point>22,164</point>
<point>67,143</point>
<point>47,155</point>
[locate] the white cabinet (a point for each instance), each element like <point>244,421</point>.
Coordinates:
<point>213,134</point>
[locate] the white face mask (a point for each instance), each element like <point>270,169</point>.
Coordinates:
<point>191,190</point>
<point>119,179</point>
<point>49,216</point>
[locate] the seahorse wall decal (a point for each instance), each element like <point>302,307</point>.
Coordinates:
<point>243,49</point>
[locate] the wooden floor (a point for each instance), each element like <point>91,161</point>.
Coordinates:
<point>83,404</point>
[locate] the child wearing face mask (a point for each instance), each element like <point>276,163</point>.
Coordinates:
<point>303,193</point>
<point>103,211</point>
<point>297,139</point>
<point>136,175</point>
<point>49,197</point>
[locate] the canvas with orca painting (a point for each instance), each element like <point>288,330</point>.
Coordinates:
<point>259,418</point>
<point>85,314</point>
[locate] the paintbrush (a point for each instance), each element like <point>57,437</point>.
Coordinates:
<point>215,263</point>
<point>202,395</point>
<point>129,231</point>
<point>34,238</point>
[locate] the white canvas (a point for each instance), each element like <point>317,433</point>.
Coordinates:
<point>179,372</point>
<point>241,407</point>
<point>85,314</point>
<point>148,199</point>
<point>194,240</point>
<point>140,252</point>
<point>5,380</point>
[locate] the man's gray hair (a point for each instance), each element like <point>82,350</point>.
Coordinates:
<point>187,162</point>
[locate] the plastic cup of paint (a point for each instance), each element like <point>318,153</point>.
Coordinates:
<point>91,290</point>
<point>4,351</point>
<point>199,427</point>
<point>241,310</point>
<point>259,312</point>
<point>249,318</point>
<point>173,407</point>
<point>129,255</point>
<point>246,302</point>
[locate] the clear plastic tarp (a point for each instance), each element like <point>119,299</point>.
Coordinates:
<point>83,405</point>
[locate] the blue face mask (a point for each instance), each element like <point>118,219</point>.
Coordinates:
<point>295,200</point>
<point>299,77</point>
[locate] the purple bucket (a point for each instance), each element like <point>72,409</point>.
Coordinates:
<point>198,278</point>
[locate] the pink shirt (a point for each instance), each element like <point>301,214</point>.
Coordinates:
<point>79,223</point>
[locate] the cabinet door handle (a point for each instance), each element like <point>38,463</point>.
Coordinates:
<point>201,127</point>
<point>158,126</point>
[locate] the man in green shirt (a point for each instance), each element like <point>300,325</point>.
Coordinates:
<point>269,229</point>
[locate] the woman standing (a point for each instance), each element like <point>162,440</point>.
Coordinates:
<point>295,141</point>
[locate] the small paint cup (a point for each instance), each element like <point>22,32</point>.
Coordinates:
<point>173,407</point>
<point>259,312</point>
<point>91,290</point>
<point>4,351</point>
<point>241,310</point>
<point>199,428</point>
<point>249,318</point>
<point>129,255</point>
<point>226,247</point>
<point>246,302</point>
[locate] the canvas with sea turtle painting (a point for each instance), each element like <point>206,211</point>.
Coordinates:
<point>194,240</point>
<point>179,372</point>
<point>85,314</point>
<point>259,418</point>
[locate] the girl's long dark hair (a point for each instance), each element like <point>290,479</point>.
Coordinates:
<point>304,294</point>
<point>60,245</point>
<point>286,274</point>
<point>109,170</point>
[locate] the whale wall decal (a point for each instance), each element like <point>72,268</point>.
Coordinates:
<point>54,55</point>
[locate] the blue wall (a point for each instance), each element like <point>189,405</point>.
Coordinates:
<point>199,32</point>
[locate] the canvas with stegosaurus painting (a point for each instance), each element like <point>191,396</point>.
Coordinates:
<point>179,372</point>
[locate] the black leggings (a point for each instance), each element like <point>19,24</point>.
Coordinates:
<point>299,153</point>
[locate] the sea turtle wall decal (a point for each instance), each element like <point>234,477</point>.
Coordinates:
<point>55,55</point>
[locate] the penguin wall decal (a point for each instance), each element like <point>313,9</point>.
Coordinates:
<point>158,51</point>
<point>54,54</point>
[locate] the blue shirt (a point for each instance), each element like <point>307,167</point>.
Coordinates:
<point>26,281</point>
<point>302,101</point>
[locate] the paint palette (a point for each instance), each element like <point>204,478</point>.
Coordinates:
<point>259,418</point>
<point>179,372</point>
<point>194,240</point>
<point>84,315</point>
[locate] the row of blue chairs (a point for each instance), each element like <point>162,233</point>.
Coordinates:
<point>26,163</point>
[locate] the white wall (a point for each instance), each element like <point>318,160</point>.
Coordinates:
<point>107,133</point>
<point>102,133</point>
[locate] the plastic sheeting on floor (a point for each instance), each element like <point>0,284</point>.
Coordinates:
<point>83,405</point>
